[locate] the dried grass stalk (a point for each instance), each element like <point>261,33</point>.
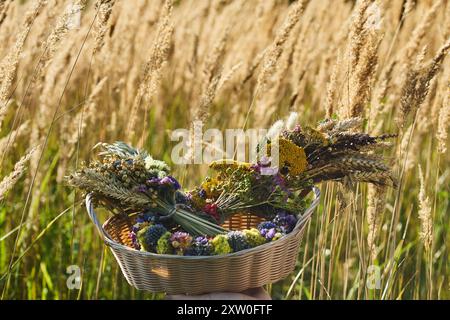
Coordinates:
<point>426,220</point>
<point>9,64</point>
<point>104,8</point>
<point>7,141</point>
<point>154,65</point>
<point>19,169</point>
<point>444,122</point>
<point>273,54</point>
<point>376,202</point>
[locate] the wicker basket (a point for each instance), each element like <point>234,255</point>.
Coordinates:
<point>233,272</point>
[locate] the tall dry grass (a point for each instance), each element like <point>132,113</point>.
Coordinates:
<point>135,70</point>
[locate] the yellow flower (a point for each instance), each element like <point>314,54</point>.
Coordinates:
<point>291,157</point>
<point>277,236</point>
<point>210,185</point>
<point>163,246</point>
<point>316,136</point>
<point>223,165</point>
<point>254,237</point>
<point>175,244</point>
<point>196,199</point>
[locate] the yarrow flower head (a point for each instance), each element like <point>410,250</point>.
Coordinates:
<point>220,244</point>
<point>164,246</point>
<point>254,237</point>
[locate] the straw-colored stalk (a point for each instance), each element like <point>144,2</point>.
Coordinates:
<point>361,79</point>
<point>9,64</point>
<point>419,34</point>
<point>358,32</point>
<point>330,101</point>
<point>61,29</point>
<point>207,99</point>
<point>444,122</point>
<point>154,65</point>
<point>19,169</point>
<point>376,203</point>
<point>426,220</point>
<point>4,6</point>
<point>7,141</point>
<point>104,8</point>
<point>212,60</point>
<point>418,81</point>
<point>88,115</point>
<point>273,54</point>
<point>227,77</point>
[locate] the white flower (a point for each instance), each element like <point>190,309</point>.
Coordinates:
<point>291,121</point>
<point>275,130</point>
<point>148,162</point>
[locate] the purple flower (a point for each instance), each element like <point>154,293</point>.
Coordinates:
<point>134,240</point>
<point>268,229</point>
<point>166,181</point>
<point>201,240</point>
<point>279,180</point>
<point>269,171</point>
<point>200,247</point>
<point>270,234</point>
<point>262,163</point>
<point>180,240</point>
<point>169,180</point>
<point>153,181</point>
<point>202,193</point>
<point>144,217</point>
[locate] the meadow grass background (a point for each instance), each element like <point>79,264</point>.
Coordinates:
<point>74,73</point>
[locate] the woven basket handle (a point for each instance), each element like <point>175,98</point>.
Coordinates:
<point>302,218</point>
<point>94,219</point>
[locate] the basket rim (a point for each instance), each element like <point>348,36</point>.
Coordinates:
<point>301,223</point>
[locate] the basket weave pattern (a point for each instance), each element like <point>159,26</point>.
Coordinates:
<point>233,272</point>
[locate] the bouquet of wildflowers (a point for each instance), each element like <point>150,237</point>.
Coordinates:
<point>335,150</point>
<point>170,221</point>
<point>130,181</point>
<point>153,236</point>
